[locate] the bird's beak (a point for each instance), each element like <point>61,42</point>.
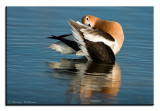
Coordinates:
<point>89,25</point>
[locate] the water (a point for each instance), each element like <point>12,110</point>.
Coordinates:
<point>39,75</point>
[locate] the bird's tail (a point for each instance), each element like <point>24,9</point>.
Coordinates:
<point>59,37</point>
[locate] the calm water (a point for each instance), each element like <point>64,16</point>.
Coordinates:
<point>39,75</point>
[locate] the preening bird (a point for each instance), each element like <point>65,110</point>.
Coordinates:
<point>98,40</point>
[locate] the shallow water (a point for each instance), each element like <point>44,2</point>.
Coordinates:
<point>39,75</point>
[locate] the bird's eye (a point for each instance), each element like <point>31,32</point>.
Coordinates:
<point>87,18</point>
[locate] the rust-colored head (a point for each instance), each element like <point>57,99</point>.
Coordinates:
<point>90,20</point>
<point>111,27</point>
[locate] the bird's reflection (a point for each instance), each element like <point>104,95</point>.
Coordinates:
<point>91,83</point>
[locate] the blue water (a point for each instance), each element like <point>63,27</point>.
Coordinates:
<point>38,75</point>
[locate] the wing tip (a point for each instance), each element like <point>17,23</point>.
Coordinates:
<point>71,21</point>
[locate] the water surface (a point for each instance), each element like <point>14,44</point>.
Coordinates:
<point>39,75</point>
